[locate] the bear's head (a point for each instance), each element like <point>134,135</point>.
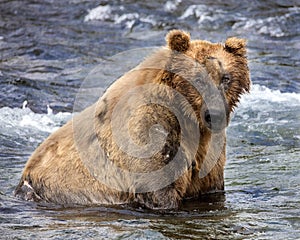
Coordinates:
<point>212,76</point>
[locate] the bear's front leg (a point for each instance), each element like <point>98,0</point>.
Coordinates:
<point>166,198</point>
<point>169,197</point>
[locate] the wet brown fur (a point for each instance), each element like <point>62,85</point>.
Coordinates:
<point>56,173</point>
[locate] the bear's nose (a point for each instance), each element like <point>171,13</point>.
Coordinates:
<point>215,119</point>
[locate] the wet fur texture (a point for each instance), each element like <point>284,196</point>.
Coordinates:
<point>56,173</point>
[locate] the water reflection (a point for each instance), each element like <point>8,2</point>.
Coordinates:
<point>193,220</point>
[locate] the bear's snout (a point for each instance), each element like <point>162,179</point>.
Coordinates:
<point>215,119</point>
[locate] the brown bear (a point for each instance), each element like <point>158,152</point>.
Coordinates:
<point>155,138</point>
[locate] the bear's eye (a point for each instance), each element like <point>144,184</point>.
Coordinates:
<point>225,82</point>
<point>226,79</point>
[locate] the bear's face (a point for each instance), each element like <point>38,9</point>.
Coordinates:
<point>214,75</point>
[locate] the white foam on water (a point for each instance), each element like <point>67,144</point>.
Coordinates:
<point>101,13</point>
<point>108,13</point>
<point>197,11</point>
<point>274,26</point>
<point>270,113</point>
<point>208,16</point>
<point>264,97</point>
<point>268,26</point>
<point>171,6</point>
<point>126,17</point>
<point>24,121</point>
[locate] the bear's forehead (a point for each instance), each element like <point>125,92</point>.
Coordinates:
<point>203,50</point>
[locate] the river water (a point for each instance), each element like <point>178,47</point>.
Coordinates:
<point>49,47</point>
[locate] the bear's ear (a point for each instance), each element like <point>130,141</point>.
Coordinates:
<point>178,40</point>
<point>236,46</point>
